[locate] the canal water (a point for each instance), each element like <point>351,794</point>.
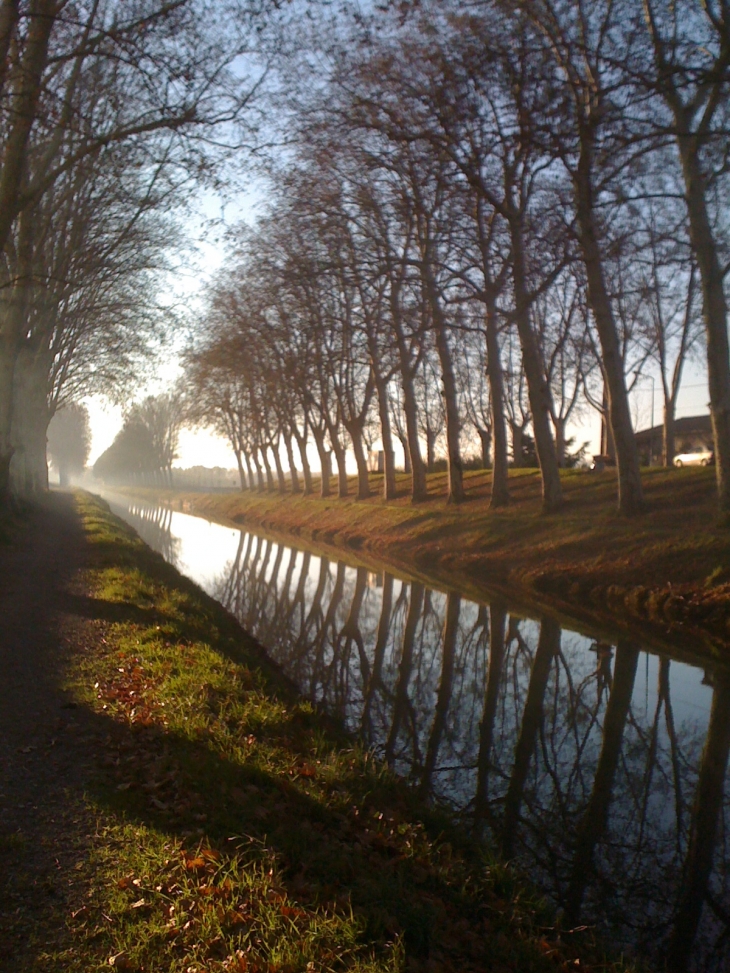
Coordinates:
<point>597,764</point>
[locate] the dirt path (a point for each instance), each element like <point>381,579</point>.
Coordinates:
<point>46,744</point>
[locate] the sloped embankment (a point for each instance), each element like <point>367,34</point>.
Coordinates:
<point>665,573</point>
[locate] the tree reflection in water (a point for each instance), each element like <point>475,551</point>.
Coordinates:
<point>153,525</point>
<point>537,736</point>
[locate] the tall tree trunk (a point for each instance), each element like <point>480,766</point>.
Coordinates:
<point>518,439</point>
<point>29,465</point>
<point>667,435</point>
<point>714,311</point>
<point>630,493</point>
<point>608,446</point>
<point>324,460</point>
<point>14,303</point>
<point>560,441</point>
<point>485,438</point>
<point>358,448</point>
<point>301,438</point>
<point>410,409</point>
<point>430,450</point>
<point>257,467</point>
<point>341,460</point>
<point>7,370</point>
<point>23,107</point>
<point>267,467</point>
<point>293,473</point>
<point>453,422</point>
<point>241,472</point>
<point>281,479</point>
<point>386,433</point>
<point>495,375</point>
<point>249,469</point>
<point>407,468</point>
<point>538,390</point>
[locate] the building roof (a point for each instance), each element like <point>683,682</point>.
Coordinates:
<point>684,426</point>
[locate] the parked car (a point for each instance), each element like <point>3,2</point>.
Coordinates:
<point>696,457</point>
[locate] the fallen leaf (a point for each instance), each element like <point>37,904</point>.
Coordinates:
<point>120,962</point>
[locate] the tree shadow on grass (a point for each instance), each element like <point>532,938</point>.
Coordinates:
<point>339,853</point>
<point>112,611</point>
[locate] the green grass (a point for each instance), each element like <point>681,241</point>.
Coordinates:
<point>238,829</point>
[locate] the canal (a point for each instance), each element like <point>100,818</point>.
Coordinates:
<point>597,763</point>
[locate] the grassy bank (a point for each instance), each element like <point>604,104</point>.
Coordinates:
<point>239,830</point>
<point>668,569</point>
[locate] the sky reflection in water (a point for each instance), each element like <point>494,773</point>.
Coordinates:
<point>598,766</point>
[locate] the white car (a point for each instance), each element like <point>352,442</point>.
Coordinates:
<point>698,457</point>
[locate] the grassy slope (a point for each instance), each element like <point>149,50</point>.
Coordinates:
<point>239,830</point>
<point>670,567</point>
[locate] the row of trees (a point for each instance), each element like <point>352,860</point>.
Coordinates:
<point>144,449</point>
<point>493,214</point>
<point>110,114</point>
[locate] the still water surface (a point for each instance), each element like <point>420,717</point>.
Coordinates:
<point>598,765</point>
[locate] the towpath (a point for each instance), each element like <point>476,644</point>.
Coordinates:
<point>46,746</point>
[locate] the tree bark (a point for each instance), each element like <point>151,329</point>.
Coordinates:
<point>248,468</point>
<point>23,108</point>
<point>267,467</point>
<point>324,460</point>
<point>257,467</point>
<point>410,410</point>
<point>13,315</point>
<point>518,434</point>
<point>453,423</point>
<point>7,370</point>
<point>241,472</point>
<point>430,450</point>
<point>301,439</point>
<point>495,375</point>
<point>363,480</point>
<point>485,438</point>
<point>29,465</point>
<point>714,311</point>
<point>386,433</point>
<point>668,448</point>
<point>538,390</point>
<point>630,493</point>
<point>560,444</point>
<point>281,479</point>
<point>341,460</point>
<point>293,473</point>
